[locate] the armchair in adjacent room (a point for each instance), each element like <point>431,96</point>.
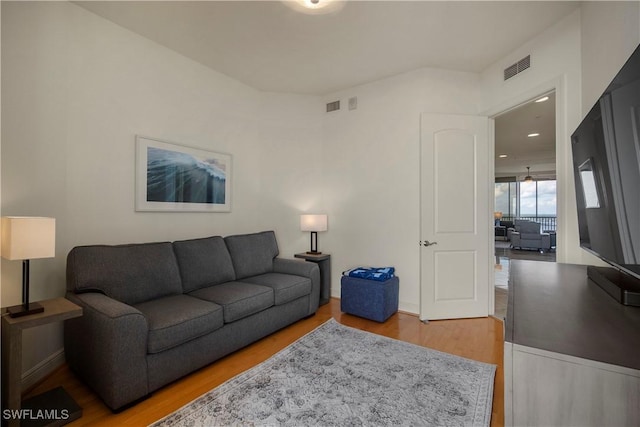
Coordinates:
<point>529,235</point>
<point>503,229</point>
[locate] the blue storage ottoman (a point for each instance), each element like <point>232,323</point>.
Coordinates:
<point>371,299</point>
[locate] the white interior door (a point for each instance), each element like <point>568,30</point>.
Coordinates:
<point>455,222</point>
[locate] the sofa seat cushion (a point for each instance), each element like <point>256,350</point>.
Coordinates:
<point>286,287</point>
<point>177,319</point>
<point>238,299</point>
<point>530,236</point>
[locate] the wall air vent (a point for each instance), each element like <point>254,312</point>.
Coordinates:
<point>333,106</point>
<point>518,67</point>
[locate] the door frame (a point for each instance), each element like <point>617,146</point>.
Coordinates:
<point>558,85</point>
<point>563,151</point>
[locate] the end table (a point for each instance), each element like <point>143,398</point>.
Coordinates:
<point>324,262</point>
<point>55,310</point>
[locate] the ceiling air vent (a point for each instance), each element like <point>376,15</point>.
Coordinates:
<point>518,67</point>
<point>333,106</point>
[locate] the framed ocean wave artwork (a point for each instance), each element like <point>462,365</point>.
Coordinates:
<point>177,178</point>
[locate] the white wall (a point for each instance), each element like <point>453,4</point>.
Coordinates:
<point>371,171</point>
<point>555,65</point>
<point>579,56</point>
<point>610,34</point>
<point>371,167</point>
<point>76,91</point>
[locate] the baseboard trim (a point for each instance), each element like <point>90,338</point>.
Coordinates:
<point>411,309</point>
<point>39,372</point>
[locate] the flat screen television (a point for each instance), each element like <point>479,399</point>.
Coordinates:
<point>606,161</point>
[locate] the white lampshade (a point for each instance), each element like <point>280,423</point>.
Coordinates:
<point>313,222</point>
<point>25,238</point>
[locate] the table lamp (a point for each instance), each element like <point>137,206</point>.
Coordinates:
<point>313,223</point>
<point>26,238</point>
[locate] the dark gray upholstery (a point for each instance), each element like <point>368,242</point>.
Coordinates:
<point>128,273</point>
<point>203,262</point>
<point>157,311</point>
<point>528,234</point>
<point>238,299</point>
<point>252,254</point>
<point>303,269</point>
<point>286,287</point>
<point>177,319</point>
<point>107,348</point>
<point>163,369</point>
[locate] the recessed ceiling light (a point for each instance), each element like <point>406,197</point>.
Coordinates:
<point>315,6</point>
<point>531,135</point>
<point>503,156</point>
<point>544,98</point>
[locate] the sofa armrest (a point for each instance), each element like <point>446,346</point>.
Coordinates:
<point>514,237</point>
<point>107,347</point>
<point>304,269</point>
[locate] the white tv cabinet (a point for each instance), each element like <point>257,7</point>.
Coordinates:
<point>571,352</point>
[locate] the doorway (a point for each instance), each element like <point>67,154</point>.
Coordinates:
<point>525,187</point>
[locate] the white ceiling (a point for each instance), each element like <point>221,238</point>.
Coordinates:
<point>511,138</point>
<point>271,47</point>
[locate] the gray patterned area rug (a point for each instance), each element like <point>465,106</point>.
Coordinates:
<point>337,375</point>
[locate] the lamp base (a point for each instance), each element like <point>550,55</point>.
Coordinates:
<point>25,309</point>
<point>313,253</point>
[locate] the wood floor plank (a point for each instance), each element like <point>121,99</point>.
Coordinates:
<point>478,339</point>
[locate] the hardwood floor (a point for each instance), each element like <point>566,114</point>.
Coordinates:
<point>479,339</point>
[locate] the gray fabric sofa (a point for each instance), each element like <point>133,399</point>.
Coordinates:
<point>154,312</point>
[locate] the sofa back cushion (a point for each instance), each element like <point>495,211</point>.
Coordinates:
<point>128,273</point>
<point>528,227</point>
<point>507,224</point>
<point>252,254</point>
<point>203,262</point>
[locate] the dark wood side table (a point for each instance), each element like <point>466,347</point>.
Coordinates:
<point>324,262</point>
<point>55,310</point>
<point>569,348</point>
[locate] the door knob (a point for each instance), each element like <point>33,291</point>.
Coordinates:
<point>428,243</point>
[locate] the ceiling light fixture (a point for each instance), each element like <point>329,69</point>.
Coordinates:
<point>315,7</point>
<point>532,135</point>
<point>544,98</point>
<point>503,156</point>
<point>528,178</point>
